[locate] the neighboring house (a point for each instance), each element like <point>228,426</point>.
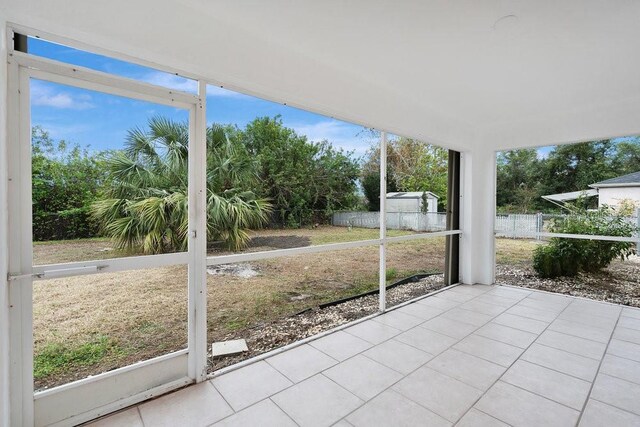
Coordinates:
<point>613,191</point>
<point>411,201</point>
<point>609,192</point>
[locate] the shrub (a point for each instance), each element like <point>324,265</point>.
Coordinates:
<point>567,257</point>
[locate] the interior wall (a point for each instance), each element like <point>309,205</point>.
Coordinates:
<point>4,289</point>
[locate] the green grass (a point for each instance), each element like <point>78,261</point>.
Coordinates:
<point>57,358</point>
<point>343,234</point>
<point>391,273</point>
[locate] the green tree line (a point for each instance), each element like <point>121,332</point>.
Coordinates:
<point>523,177</point>
<point>138,195</point>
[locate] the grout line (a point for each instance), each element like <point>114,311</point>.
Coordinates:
<point>595,378</point>
<point>222,395</point>
<point>614,406</point>
<point>140,415</point>
<point>488,415</point>
<point>404,376</point>
<point>279,407</point>
<point>322,371</point>
<point>509,367</point>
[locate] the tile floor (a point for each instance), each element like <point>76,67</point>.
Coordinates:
<point>468,356</point>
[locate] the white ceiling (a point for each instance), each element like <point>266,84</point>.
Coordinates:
<point>461,73</point>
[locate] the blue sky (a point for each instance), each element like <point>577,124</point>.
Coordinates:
<point>101,121</point>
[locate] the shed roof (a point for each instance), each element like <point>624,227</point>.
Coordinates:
<point>629,180</point>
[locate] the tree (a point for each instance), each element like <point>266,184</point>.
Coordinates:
<point>627,158</point>
<point>144,207</point>
<point>65,180</point>
<point>518,180</point>
<point>411,166</point>
<point>299,176</point>
<point>573,167</point>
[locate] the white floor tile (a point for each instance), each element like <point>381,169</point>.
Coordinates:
<point>559,360</point>
<point>316,401</point>
<point>301,362</point>
<point>449,327</point>
<point>362,376</point>
<point>398,356</point>
<point>398,319</point>
<point>426,340</point>
<point>392,409</point>
<point>341,345</point>
<point>373,332</point>
<point>467,316</point>
<point>439,393</point>
<point>197,405</point>
<point>263,414</point>
<point>252,383</point>
<point>572,344</point>
<point>469,369</point>
<point>624,349</point>
<point>422,311</point>
<point>553,385</point>
<point>128,418</point>
<point>617,392</point>
<point>475,418</point>
<point>488,349</point>
<point>619,367</point>
<point>598,414</point>
<point>521,408</point>
<point>522,323</point>
<point>507,335</point>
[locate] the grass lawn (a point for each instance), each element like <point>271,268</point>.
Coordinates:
<point>85,325</point>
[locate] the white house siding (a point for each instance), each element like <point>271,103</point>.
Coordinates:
<point>612,196</point>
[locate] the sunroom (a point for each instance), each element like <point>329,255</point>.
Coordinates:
<point>353,313</point>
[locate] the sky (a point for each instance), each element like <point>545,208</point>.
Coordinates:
<point>101,121</point>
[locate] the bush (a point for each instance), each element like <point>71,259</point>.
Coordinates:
<point>567,257</point>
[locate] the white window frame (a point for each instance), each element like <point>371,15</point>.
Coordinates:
<point>91,397</point>
<point>56,405</point>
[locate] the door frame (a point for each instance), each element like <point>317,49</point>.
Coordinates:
<point>94,396</point>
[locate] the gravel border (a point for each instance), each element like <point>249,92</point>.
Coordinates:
<point>265,337</point>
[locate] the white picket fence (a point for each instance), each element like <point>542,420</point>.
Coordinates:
<point>506,225</point>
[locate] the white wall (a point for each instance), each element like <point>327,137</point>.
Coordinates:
<point>612,196</point>
<point>4,291</point>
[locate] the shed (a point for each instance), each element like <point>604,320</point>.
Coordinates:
<point>411,201</point>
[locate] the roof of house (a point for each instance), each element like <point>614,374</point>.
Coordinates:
<point>410,195</point>
<point>629,180</point>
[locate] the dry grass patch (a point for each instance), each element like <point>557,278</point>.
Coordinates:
<point>85,325</point>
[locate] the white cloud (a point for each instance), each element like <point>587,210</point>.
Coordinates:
<point>171,81</point>
<point>219,92</point>
<point>47,96</point>
<point>183,84</point>
<point>340,134</point>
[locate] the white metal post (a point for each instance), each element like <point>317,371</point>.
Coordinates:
<point>638,231</point>
<point>20,254</point>
<point>4,241</point>
<point>198,238</point>
<point>383,221</point>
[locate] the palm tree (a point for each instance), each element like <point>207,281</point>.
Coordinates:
<point>144,207</point>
